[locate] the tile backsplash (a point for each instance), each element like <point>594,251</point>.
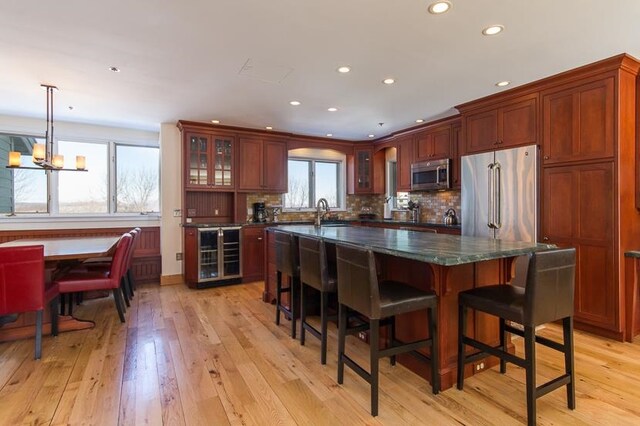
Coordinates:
<point>434,204</point>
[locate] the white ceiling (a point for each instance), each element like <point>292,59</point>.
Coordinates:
<point>182,59</point>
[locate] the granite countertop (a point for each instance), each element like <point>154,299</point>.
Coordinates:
<point>440,249</point>
<point>326,222</point>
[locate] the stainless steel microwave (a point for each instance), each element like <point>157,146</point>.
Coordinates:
<point>430,175</point>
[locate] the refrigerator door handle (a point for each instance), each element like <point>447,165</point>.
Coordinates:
<point>490,200</point>
<point>497,220</point>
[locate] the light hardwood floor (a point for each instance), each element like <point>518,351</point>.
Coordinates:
<point>215,357</point>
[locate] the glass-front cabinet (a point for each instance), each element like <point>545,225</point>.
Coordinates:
<point>209,161</point>
<point>363,170</point>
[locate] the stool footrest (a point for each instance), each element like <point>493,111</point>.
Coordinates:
<point>405,347</point>
<point>539,339</point>
<point>552,385</point>
<point>356,367</point>
<point>490,350</point>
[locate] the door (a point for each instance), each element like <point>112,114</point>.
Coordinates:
<point>231,244</point>
<point>515,171</point>
<point>475,203</point>
<point>208,261</point>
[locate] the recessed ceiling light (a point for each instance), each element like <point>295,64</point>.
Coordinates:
<point>419,120</point>
<point>269,128</point>
<point>439,7</point>
<point>215,121</point>
<point>70,107</point>
<point>493,30</point>
<point>343,70</point>
<point>503,83</point>
<point>329,135</point>
<point>372,136</point>
<point>388,81</point>
<point>294,103</point>
<point>114,69</point>
<point>332,109</point>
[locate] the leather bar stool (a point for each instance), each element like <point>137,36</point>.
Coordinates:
<point>315,272</point>
<point>287,264</point>
<point>359,290</point>
<point>541,292</point>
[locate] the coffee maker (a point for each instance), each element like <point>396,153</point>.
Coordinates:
<point>259,212</point>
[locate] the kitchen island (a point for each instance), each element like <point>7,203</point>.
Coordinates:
<point>446,264</point>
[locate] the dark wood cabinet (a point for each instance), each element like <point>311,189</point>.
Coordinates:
<point>208,161</point>
<point>578,211</point>
<point>404,158</point>
<point>433,144</point>
<point>509,124</point>
<point>365,172</point>
<point>262,165</point>
<point>253,244</point>
<point>578,122</point>
<point>456,154</point>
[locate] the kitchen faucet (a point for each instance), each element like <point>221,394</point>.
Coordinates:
<point>322,204</point>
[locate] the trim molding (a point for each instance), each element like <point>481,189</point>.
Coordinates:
<point>171,279</point>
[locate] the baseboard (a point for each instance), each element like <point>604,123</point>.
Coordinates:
<point>171,279</point>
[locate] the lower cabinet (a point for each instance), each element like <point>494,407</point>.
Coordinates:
<point>253,243</point>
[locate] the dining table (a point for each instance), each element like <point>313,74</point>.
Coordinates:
<point>60,255</point>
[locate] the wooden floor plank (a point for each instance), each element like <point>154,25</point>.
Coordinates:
<point>216,357</point>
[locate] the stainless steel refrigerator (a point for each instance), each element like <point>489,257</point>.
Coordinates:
<point>499,196</point>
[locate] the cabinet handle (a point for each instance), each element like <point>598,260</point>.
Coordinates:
<point>545,238</point>
<point>546,157</point>
<point>259,238</point>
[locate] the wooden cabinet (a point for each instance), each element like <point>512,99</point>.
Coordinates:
<point>208,161</point>
<point>366,171</point>
<point>509,124</point>
<point>578,207</point>
<point>253,245</point>
<point>456,153</point>
<point>262,165</point>
<point>578,122</point>
<point>404,158</point>
<point>433,144</point>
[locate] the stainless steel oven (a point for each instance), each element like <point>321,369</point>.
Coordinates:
<point>430,175</point>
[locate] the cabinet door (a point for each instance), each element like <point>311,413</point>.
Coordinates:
<point>456,150</point>
<point>579,123</point>
<point>578,211</point>
<point>253,253</point>
<point>275,166</point>
<point>364,170</point>
<point>404,159</point>
<point>250,164</point>
<point>517,123</point>
<point>197,152</point>
<point>424,146</point>
<point>481,131</point>
<point>441,141</point>
<point>190,256</point>
<point>222,162</point>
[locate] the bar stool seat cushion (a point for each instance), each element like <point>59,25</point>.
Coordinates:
<point>504,301</point>
<point>398,298</point>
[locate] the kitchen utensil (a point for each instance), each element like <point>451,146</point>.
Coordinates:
<point>450,217</point>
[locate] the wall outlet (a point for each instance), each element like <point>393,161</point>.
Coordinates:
<point>177,212</point>
<point>249,211</point>
<point>480,366</point>
<point>215,212</point>
<point>178,256</point>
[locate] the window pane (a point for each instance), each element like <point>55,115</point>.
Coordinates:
<point>83,192</point>
<point>21,191</point>
<point>326,181</point>
<point>298,195</point>
<point>138,179</point>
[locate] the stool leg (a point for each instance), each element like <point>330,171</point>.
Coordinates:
<point>342,331</point>
<point>324,321</point>
<point>38,334</point>
<point>303,314</point>
<point>503,345</point>
<point>70,303</point>
<point>392,338</point>
<point>374,348</point>
<point>53,307</point>
<point>117,297</point>
<point>293,304</point>
<point>462,328</point>
<point>278,295</point>
<point>567,329</point>
<point>435,359</point>
<point>530,362</point>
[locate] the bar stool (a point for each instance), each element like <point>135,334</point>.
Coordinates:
<point>287,264</point>
<point>542,292</point>
<point>315,272</point>
<point>359,290</point>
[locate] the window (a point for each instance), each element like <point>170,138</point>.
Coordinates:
<point>317,175</point>
<point>120,179</point>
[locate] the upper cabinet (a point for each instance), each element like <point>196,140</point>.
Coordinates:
<point>511,123</point>
<point>404,158</point>
<point>209,161</point>
<point>262,165</point>
<point>456,153</point>
<point>578,122</point>
<point>433,144</point>
<point>365,171</point>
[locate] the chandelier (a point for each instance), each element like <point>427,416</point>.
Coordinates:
<point>43,153</point>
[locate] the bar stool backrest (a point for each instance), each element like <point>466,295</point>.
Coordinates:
<point>358,280</point>
<point>119,262</point>
<point>550,286</point>
<point>314,270</point>
<point>286,253</point>
<point>21,279</point>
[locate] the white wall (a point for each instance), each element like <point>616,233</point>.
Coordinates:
<point>170,199</point>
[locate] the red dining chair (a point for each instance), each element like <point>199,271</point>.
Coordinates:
<point>90,280</point>
<point>23,289</point>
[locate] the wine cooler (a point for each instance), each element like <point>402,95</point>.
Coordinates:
<point>219,255</point>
